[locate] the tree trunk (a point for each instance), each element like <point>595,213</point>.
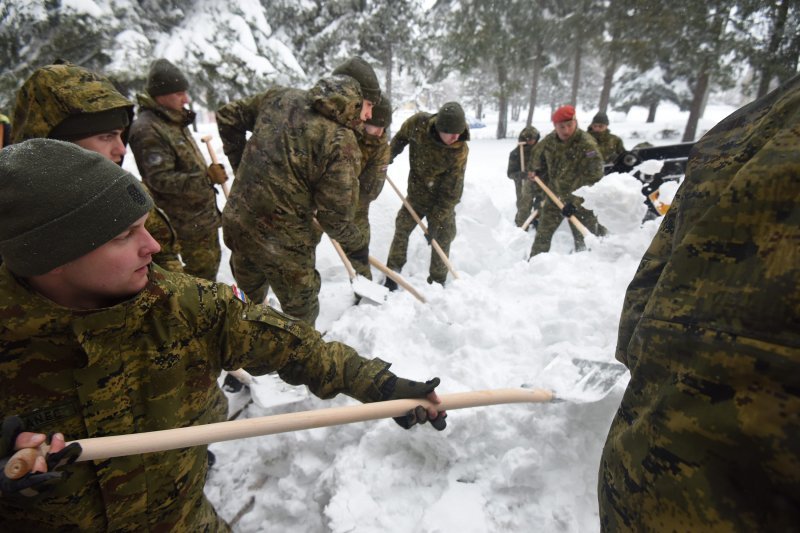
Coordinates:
<point>502,116</point>
<point>695,110</point>
<point>605,93</point>
<point>537,68</point>
<point>651,112</point>
<point>479,110</point>
<point>778,29</point>
<point>576,74</point>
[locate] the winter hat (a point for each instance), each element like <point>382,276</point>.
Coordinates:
<point>59,202</point>
<point>165,78</point>
<point>451,119</point>
<point>563,114</point>
<point>82,125</point>
<point>529,133</point>
<point>600,118</point>
<point>357,68</point>
<point>381,114</point>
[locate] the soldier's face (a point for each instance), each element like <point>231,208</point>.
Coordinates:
<point>108,144</point>
<point>111,273</point>
<point>366,110</point>
<point>449,138</point>
<point>596,126</point>
<point>174,101</point>
<point>565,129</point>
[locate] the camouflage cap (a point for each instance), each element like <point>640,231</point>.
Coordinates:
<point>381,114</point>
<point>451,118</point>
<point>165,78</point>
<point>529,133</point>
<point>363,73</point>
<point>59,202</point>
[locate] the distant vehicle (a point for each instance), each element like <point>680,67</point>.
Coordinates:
<point>474,123</point>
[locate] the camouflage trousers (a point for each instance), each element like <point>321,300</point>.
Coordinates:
<point>444,231</point>
<point>551,218</point>
<point>527,201</point>
<point>361,221</point>
<point>289,269</point>
<point>200,252</point>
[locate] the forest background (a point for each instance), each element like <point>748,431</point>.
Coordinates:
<point>507,57</point>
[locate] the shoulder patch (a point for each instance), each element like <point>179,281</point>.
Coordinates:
<point>154,159</point>
<point>239,293</point>
<point>591,153</point>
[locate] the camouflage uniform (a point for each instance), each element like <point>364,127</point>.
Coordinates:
<point>301,161</point>
<point>174,170</point>
<point>435,184</point>
<point>610,145</point>
<point>525,196</point>
<point>374,161</point>
<point>39,109</point>
<point>147,364</point>
<point>707,437</point>
<point>566,167</point>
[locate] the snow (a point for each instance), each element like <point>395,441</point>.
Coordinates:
<point>509,468</point>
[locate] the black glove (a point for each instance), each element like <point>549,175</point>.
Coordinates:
<point>430,236</point>
<point>360,256</point>
<point>398,388</point>
<point>31,484</point>
<point>568,210</point>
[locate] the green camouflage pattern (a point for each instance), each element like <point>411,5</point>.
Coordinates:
<point>566,166</point>
<point>148,364</point>
<point>53,93</point>
<point>435,184</point>
<point>610,145</point>
<point>707,437</point>
<point>374,162</point>
<point>525,199</point>
<point>174,170</point>
<point>301,161</point>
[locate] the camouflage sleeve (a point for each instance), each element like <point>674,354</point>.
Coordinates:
<point>261,340</point>
<point>373,175</point>
<point>234,120</point>
<point>400,140</point>
<point>514,169</point>
<point>536,162</point>
<point>449,190</point>
<point>336,192</point>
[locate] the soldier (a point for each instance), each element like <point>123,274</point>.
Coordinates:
<point>374,145</point>
<point>174,169</point>
<point>438,159</point>
<point>97,340</point>
<point>567,159</point>
<point>301,162</point>
<point>706,437</point>
<point>70,103</point>
<point>610,145</point>
<point>530,136</point>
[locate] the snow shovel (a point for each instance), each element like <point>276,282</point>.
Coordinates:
<point>580,380</point>
<point>522,168</point>
<point>207,139</point>
<point>577,223</point>
<point>100,448</point>
<point>361,286</point>
<point>529,220</point>
<point>421,224</point>
<point>397,278</point>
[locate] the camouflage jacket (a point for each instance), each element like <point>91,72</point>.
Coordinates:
<point>40,108</point>
<point>567,166</point>
<point>610,145</point>
<point>707,437</point>
<point>436,176</point>
<point>514,171</point>
<point>147,364</point>
<point>302,158</point>
<point>173,168</point>
<point>374,162</point>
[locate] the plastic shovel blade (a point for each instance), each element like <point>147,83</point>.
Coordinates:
<point>580,380</point>
<point>369,289</point>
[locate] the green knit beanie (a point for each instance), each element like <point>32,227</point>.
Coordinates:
<point>381,114</point>
<point>529,133</point>
<point>600,118</point>
<point>59,202</point>
<point>357,68</point>
<point>451,119</point>
<point>165,78</point>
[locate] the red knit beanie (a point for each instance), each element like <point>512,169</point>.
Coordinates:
<point>563,113</point>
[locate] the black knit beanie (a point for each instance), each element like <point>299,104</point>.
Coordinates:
<point>381,114</point>
<point>165,78</point>
<point>451,119</point>
<point>600,118</point>
<point>59,202</point>
<point>357,68</point>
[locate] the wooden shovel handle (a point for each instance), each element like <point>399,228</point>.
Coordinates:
<point>207,139</point>
<point>424,228</point>
<point>351,272</point>
<point>560,205</point>
<point>397,278</point>
<point>170,439</point>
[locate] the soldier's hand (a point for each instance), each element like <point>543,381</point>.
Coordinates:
<point>430,236</point>
<point>361,256</point>
<point>42,475</point>
<point>216,174</point>
<point>397,388</point>
<point>568,210</point>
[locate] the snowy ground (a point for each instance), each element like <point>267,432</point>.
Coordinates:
<point>512,468</point>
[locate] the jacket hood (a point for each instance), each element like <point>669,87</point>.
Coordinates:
<point>55,92</point>
<point>338,98</point>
